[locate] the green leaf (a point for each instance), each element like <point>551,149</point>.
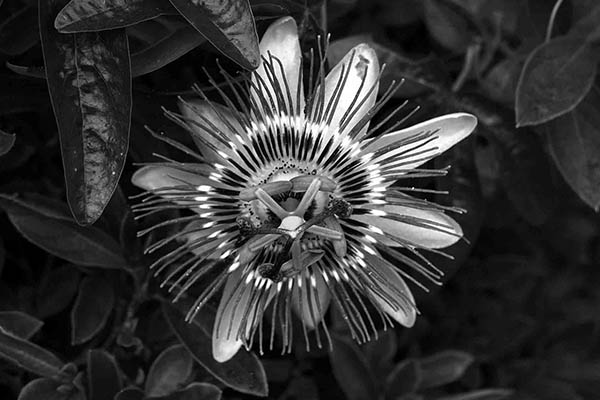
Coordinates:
<point>28,356</point>
<point>588,27</point>
<point>89,81</point>
<point>448,27</point>
<point>92,15</point>
<point>130,393</point>
<point>92,308</point>
<point>19,32</point>
<point>351,370</point>
<point>7,141</point>
<point>104,378</point>
<point>165,51</point>
<point>47,224</point>
<point>574,143</point>
<point>443,368</point>
<point>57,290</point>
<point>31,72</point>
<point>556,77</point>
<point>196,391</point>
<point>171,369</point>
<point>19,324</point>
<point>404,379</point>
<point>227,24</point>
<point>47,389</point>
<point>484,394</point>
<point>243,372</point>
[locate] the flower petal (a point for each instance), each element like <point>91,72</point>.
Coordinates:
<point>311,312</point>
<point>351,88</point>
<point>423,228</point>
<point>238,305</point>
<point>210,120</point>
<point>156,177</point>
<point>280,41</point>
<point>395,292</point>
<point>416,146</point>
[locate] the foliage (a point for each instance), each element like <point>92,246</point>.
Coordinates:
<point>81,316</point>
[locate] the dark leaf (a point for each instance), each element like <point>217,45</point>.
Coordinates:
<point>28,356</point>
<point>20,32</point>
<point>57,290</point>
<point>19,324</point>
<point>444,367</point>
<point>243,372</point>
<point>89,81</point>
<point>31,72</point>
<point>448,28</point>
<point>556,77</point>
<point>7,141</point>
<point>351,370</point>
<point>484,394</point>
<point>404,379</point>
<point>104,378</point>
<point>47,389</point>
<point>196,391</point>
<point>574,143</point>
<point>130,393</point>
<point>91,15</point>
<point>165,51</point>
<point>380,352</point>
<point>48,225</point>
<point>169,372</point>
<point>227,24</point>
<point>92,308</point>
<point>588,27</point>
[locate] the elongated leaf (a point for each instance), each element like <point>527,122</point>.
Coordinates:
<point>165,51</point>
<point>57,290</point>
<point>227,24</point>
<point>130,393</point>
<point>7,141</point>
<point>574,143</point>
<point>444,367</point>
<point>170,370</point>
<point>448,27</point>
<point>20,32</point>
<point>92,15</point>
<point>404,379</point>
<point>196,391</point>
<point>90,87</point>
<point>32,72</point>
<point>48,225</point>
<point>28,356</point>
<point>243,372</point>
<point>556,77</point>
<point>351,370</point>
<point>19,324</point>
<point>92,308</point>
<point>484,394</point>
<point>103,375</point>
<point>48,389</point>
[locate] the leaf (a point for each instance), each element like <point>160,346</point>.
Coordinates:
<point>130,393</point>
<point>171,369</point>
<point>243,372</point>
<point>196,391</point>
<point>165,51</point>
<point>92,15</point>
<point>57,290</point>
<point>556,77</point>
<point>588,27</point>
<point>404,379</point>
<point>7,141</point>
<point>47,389</point>
<point>28,356</point>
<point>574,144</point>
<point>448,28</point>
<point>47,224</point>
<point>92,308</point>
<point>443,368</point>
<point>227,24</point>
<point>19,32</point>
<point>89,81</point>
<point>19,324</point>
<point>351,370</point>
<point>31,72</point>
<point>104,378</point>
<point>484,394</point>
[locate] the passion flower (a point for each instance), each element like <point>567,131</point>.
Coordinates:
<point>296,201</point>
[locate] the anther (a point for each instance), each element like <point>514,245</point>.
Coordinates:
<point>271,188</point>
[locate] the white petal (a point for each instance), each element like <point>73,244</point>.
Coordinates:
<point>281,41</point>
<point>312,313</point>
<point>400,296</point>
<point>160,177</point>
<point>449,130</point>
<point>210,119</point>
<point>441,231</point>
<point>359,89</point>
